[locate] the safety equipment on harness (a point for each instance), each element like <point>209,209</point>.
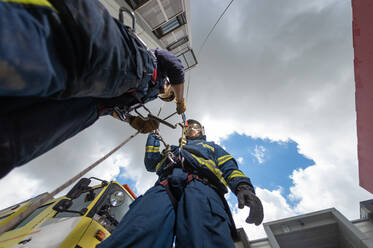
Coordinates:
<point>182,142</point>
<point>246,196</point>
<point>168,95</point>
<point>143,126</point>
<point>194,129</point>
<point>178,179</point>
<point>180,106</point>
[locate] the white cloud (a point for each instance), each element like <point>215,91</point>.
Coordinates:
<point>240,160</point>
<point>258,153</point>
<point>275,207</point>
<point>18,187</point>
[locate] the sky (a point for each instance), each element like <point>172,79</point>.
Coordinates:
<point>268,163</point>
<point>274,86</point>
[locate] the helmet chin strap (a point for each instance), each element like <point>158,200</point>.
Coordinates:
<point>194,137</point>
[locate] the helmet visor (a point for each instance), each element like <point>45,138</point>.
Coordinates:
<point>193,130</point>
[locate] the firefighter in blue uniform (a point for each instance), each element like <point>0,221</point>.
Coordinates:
<point>188,200</point>
<point>64,63</point>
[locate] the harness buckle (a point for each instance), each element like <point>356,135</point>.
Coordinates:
<point>205,181</point>
<point>192,177</point>
<point>164,182</point>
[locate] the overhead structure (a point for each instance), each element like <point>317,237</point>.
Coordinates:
<point>363,61</point>
<point>169,21</point>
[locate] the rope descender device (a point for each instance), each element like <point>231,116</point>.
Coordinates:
<point>151,116</point>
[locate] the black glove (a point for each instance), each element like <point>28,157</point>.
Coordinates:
<point>246,196</point>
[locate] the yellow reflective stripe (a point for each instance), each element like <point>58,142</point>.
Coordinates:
<point>224,159</point>
<point>206,146</point>
<point>160,163</point>
<point>152,149</point>
<point>34,2</point>
<point>155,151</point>
<point>211,166</point>
<point>235,173</point>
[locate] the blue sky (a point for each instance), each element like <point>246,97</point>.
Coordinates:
<point>127,180</point>
<point>268,164</point>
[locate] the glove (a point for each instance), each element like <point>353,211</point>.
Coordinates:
<point>144,126</point>
<point>180,106</point>
<point>246,196</point>
<point>115,115</point>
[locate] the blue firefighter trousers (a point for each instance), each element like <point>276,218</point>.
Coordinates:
<point>199,221</point>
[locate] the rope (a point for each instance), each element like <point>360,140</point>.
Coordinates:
<point>187,94</point>
<point>42,199</point>
<point>86,170</point>
<point>212,29</point>
<point>205,41</point>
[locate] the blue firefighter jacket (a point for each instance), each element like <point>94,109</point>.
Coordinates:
<point>203,156</point>
<point>61,63</point>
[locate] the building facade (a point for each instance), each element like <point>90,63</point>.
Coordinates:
<point>363,62</point>
<point>322,229</point>
<point>163,24</point>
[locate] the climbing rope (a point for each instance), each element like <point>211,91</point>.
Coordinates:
<point>205,41</point>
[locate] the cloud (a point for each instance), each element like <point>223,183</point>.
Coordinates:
<point>240,160</point>
<point>259,152</point>
<point>18,187</point>
<point>275,207</point>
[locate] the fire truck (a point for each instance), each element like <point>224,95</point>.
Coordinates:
<point>83,217</point>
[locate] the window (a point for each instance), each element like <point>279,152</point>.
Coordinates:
<point>170,26</point>
<point>107,215</point>
<point>81,202</point>
<point>136,3</point>
<point>178,43</point>
<point>32,216</point>
<point>188,59</point>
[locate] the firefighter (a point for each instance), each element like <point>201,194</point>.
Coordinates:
<point>187,200</point>
<point>64,63</point>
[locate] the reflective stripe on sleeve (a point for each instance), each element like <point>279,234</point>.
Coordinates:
<point>224,159</point>
<point>44,3</point>
<point>152,149</point>
<point>235,173</point>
